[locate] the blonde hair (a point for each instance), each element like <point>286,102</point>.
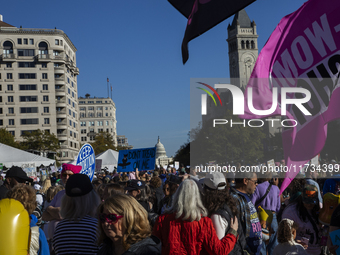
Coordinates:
<point>135,219</point>
<point>25,195</point>
<point>187,202</point>
<point>76,208</point>
<point>50,193</point>
<point>46,186</point>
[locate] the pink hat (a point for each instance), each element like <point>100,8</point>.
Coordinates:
<point>72,168</point>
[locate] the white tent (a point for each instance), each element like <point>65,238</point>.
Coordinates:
<point>10,156</point>
<point>109,159</point>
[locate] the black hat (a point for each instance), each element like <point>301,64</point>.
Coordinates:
<point>135,185</point>
<point>78,185</point>
<point>175,179</point>
<point>18,174</point>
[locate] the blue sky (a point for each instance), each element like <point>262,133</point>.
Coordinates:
<point>137,44</point>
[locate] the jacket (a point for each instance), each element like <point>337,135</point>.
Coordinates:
<point>148,246</point>
<point>241,243</point>
<point>185,237</point>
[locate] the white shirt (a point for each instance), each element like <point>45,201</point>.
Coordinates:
<point>220,224</point>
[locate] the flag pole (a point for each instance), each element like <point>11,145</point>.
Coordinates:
<point>108,93</point>
<point>111,90</point>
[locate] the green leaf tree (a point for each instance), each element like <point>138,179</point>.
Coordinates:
<point>41,141</point>
<point>103,141</point>
<point>8,139</point>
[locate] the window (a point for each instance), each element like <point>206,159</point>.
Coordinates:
<point>75,136</point>
<point>11,110</point>
<point>70,133</point>
<point>10,99</point>
<point>83,123</point>
<point>0,87</point>
<point>91,108</point>
<point>56,42</point>
<point>70,122</point>
<point>107,130</point>
<point>0,110</point>
<point>46,109</point>
<point>83,131</point>
<point>45,98</point>
<point>45,86</point>
<point>28,98</point>
<point>72,84</point>
<point>10,87</point>
<point>44,65</point>
<point>46,121</point>
<point>90,114</point>
<point>74,124</point>
<point>44,75</point>
<point>26,53</point>
<point>31,41</point>
<point>69,91</point>
<point>9,65</point>
<point>92,130</point>
<point>69,112</point>
<point>9,76</point>
<point>56,53</point>
<point>68,80</point>
<point>74,114</point>
<point>26,64</point>
<point>28,87</point>
<point>106,114</point>
<point>19,41</point>
<point>25,41</point>
<point>99,102</point>
<point>27,76</point>
<point>11,122</point>
<point>91,123</point>
<point>72,95</point>
<point>29,110</point>
<point>82,115</point>
<point>99,114</point>
<point>81,102</point>
<point>69,101</point>
<point>106,108</point>
<point>100,130</point>
<point>83,139</point>
<point>29,121</point>
<point>91,102</point>
<point>99,123</point>
<point>107,123</point>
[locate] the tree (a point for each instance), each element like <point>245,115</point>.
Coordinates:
<point>41,141</point>
<point>183,153</point>
<point>8,139</point>
<point>226,144</point>
<point>103,141</point>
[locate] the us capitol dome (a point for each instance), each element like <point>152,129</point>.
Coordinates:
<point>161,158</point>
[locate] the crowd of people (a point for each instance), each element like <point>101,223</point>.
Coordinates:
<point>169,211</point>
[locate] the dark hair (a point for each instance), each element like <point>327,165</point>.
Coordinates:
<point>113,188</point>
<point>284,232</point>
<point>100,190</point>
<point>213,199</point>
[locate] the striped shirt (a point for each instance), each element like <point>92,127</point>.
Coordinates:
<point>71,237</point>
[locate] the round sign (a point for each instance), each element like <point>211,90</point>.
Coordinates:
<point>86,159</point>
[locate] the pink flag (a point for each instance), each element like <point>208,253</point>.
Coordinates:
<point>306,46</point>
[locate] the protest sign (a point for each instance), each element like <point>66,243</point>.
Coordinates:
<point>143,159</point>
<point>86,159</point>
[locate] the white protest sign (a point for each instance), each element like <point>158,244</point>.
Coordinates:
<point>86,159</point>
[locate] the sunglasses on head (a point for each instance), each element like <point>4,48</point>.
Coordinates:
<point>109,218</point>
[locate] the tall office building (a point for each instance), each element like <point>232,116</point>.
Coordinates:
<point>97,115</point>
<point>38,85</point>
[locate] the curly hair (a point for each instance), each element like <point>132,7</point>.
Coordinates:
<point>24,194</point>
<point>214,199</point>
<point>156,182</point>
<point>135,219</point>
<point>284,232</point>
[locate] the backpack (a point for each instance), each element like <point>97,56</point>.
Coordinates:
<point>241,243</point>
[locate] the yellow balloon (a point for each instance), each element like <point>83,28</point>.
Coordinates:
<point>15,228</point>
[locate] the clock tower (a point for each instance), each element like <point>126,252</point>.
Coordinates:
<point>243,49</point>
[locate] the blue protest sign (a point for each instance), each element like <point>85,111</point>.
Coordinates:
<point>86,159</point>
<point>143,159</point>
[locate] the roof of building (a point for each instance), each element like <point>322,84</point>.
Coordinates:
<point>4,24</point>
<point>242,18</point>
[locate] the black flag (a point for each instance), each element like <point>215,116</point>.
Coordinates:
<point>203,15</point>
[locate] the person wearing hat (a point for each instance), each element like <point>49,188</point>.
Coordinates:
<point>222,208</point>
<point>14,176</point>
<point>140,192</point>
<point>304,211</point>
<point>174,182</point>
<point>77,232</point>
<point>52,212</point>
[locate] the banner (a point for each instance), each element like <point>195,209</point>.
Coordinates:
<point>86,159</point>
<point>203,15</point>
<point>143,159</point>
<point>302,52</point>
<point>30,170</point>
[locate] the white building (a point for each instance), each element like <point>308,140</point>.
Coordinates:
<point>161,157</point>
<point>38,85</point>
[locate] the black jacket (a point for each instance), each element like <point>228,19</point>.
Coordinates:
<point>241,243</point>
<point>148,246</point>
